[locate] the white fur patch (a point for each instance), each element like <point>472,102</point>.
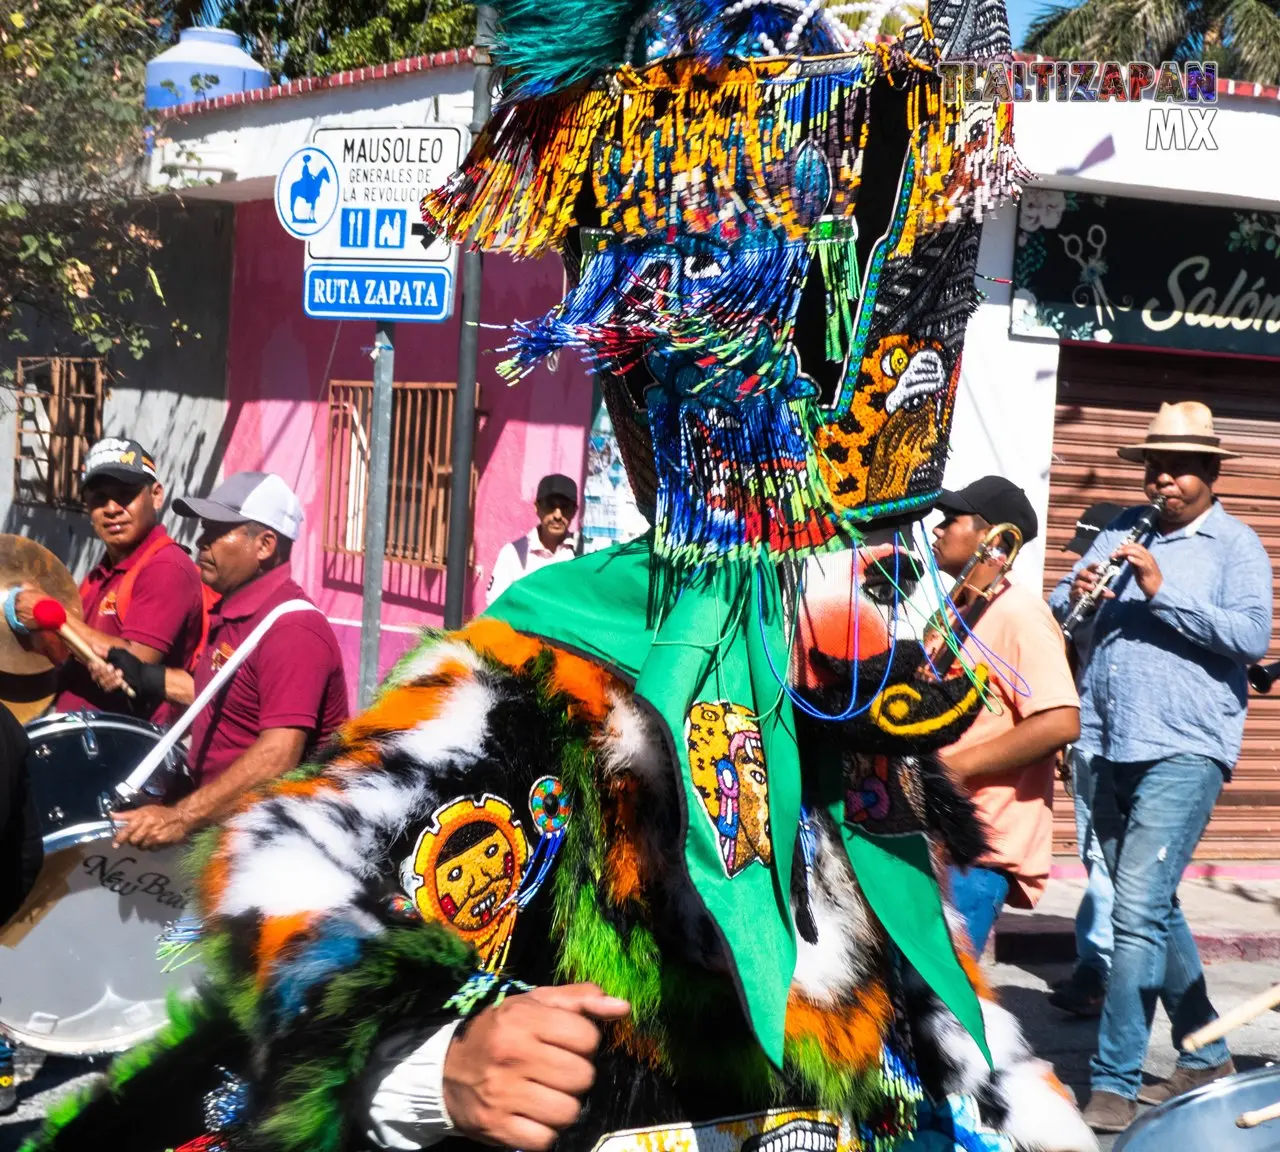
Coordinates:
<point>630,743</point>
<point>1039,1119</point>
<point>286,878</point>
<point>847,945</point>
<point>429,659</point>
<point>1004,1036</point>
<point>292,874</point>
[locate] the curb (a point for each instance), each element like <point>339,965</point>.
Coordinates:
<point>1057,946</point>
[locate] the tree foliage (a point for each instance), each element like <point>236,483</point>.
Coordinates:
<point>295,38</point>
<point>76,239</point>
<point>1241,36</point>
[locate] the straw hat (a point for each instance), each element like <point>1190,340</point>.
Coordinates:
<point>1183,427</point>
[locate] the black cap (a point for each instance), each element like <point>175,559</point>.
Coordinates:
<point>557,485</point>
<point>1092,521</point>
<point>997,501</point>
<point>125,460</point>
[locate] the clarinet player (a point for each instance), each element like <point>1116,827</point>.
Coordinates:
<point>1162,705</point>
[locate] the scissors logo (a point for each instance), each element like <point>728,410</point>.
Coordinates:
<point>1092,268</point>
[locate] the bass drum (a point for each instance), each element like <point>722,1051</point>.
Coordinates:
<point>80,972</point>
<point>1206,1118</point>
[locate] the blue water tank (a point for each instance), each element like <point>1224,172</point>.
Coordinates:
<point>203,52</point>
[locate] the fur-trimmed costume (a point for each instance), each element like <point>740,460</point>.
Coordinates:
<point>696,769</point>
<point>318,958</point>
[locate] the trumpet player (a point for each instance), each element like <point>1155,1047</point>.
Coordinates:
<point>1006,758</point>
<point>1162,717</point>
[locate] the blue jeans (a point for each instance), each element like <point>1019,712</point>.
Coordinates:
<point>1093,917</point>
<point>1149,817</point>
<point>978,894</point>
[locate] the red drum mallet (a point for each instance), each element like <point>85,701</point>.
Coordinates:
<point>52,617</point>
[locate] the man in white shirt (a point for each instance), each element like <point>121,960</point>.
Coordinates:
<point>549,543</point>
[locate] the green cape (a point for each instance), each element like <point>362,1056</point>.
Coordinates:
<point>724,643</point>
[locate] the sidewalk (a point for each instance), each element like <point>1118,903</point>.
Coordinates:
<point>1232,918</point>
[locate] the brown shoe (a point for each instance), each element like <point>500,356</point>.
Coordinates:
<point>1184,1080</point>
<point>1107,1112</point>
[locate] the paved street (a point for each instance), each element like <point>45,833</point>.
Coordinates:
<point>1067,1043</point>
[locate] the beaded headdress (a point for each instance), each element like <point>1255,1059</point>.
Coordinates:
<point>772,219</point>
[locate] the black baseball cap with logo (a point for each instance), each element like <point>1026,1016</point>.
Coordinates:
<point>119,459</point>
<point>1092,521</point>
<point>557,485</point>
<point>997,501</point>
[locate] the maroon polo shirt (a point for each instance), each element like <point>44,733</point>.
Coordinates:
<point>293,679</point>
<point>165,612</point>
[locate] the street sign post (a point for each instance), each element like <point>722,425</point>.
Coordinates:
<point>352,196</point>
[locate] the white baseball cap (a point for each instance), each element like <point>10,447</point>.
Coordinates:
<point>259,496</point>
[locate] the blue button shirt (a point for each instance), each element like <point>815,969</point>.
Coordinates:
<point>1167,675</point>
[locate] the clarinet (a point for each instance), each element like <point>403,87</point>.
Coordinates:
<point>1088,604</point>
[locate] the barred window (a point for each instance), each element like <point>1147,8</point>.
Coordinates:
<point>59,402</point>
<point>421,470</point>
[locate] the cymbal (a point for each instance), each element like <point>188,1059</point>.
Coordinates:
<point>23,561</point>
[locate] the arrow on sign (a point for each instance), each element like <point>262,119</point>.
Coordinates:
<point>424,234</point>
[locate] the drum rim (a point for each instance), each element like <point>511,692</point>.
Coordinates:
<point>87,719</point>
<point>1215,1088</point>
<point>77,834</point>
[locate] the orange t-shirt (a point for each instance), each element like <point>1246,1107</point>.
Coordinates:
<point>1019,640</point>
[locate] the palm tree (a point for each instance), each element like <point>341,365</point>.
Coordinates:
<point>1241,36</point>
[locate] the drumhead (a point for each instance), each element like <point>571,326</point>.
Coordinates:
<point>1206,1118</point>
<point>79,969</point>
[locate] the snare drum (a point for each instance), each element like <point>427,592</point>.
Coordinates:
<point>79,971</point>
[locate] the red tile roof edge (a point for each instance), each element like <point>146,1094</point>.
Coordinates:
<point>452,56</point>
<point>319,83</point>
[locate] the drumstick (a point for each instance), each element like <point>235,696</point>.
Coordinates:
<point>1258,1116</point>
<point>1240,1014</point>
<point>52,617</point>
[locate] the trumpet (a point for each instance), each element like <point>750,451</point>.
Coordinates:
<point>1262,676</point>
<point>1088,604</point>
<point>971,594</point>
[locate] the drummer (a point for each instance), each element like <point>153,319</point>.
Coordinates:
<point>287,697</point>
<point>144,594</point>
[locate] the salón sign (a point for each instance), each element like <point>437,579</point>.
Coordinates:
<point>1134,272</point>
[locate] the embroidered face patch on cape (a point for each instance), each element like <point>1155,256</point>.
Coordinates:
<point>726,759</point>
<point>466,869</point>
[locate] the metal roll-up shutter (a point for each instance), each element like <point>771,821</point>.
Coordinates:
<point>1106,398</point>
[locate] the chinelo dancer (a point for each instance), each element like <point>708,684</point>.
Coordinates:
<point>646,854</point>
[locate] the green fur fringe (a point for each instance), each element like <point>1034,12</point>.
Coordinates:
<point>359,1008</point>
<point>185,1016</point>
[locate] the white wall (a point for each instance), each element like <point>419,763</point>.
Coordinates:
<point>1103,148</point>
<point>243,146</point>
<point>1008,388</point>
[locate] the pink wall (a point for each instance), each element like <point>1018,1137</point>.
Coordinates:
<point>278,367</point>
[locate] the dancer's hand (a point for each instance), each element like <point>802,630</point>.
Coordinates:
<point>516,1074</point>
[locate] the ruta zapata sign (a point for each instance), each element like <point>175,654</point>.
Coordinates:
<point>1143,273</point>
<point>353,197</point>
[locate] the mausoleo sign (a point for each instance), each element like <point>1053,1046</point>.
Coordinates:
<point>368,255</point>
<point>1139,272</point>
